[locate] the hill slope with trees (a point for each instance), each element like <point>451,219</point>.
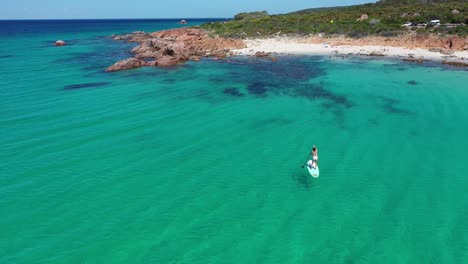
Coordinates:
<point>384,18</point>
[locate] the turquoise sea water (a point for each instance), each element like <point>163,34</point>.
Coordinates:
<point>201,163</point>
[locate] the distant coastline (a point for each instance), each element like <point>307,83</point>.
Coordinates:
<point>168,48</point>
<point>117,19</point>
<point>411,30</point>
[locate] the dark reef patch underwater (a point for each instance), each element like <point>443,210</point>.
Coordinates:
<point>233,92</point>
<point>86,85</point>
<point>289,75</point>
<point>257,88</point>
<point>390,106</point>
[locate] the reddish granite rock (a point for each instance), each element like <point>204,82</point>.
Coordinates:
<point>456,43</point>
<point>413,59</point>
<point>447,42</point>
<point>124,37</point>
<point>376,53</point>
<point>126,64</point>
<point>151,63</point>
<point>170,47</point>
<point>137,36</point>
<point>221,53</point>
<point>456,63</point>
<point>147,55</point>
<point>59,43</point>
<point>167,61</point>
<point>144,47</point>
<point>176,48</point>
<point>262,54</point>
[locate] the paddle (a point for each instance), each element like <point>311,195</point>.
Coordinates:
<point>305,161</point>
<point>307,158</point>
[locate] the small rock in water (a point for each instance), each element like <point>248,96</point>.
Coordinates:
<point>126,64</point>
<point>59,43</point>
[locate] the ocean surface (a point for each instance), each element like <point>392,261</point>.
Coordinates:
<point>202,163</point>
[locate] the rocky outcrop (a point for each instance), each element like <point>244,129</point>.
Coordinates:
<point>59,43</point>
<point>136,36</point>
<point>151,63</point>
<point>376,53</point>
<point>455,12</point>
<point>265,55</point>
<point>126,64</point>
<point>363,17</point>
<point>167,61</point>
<point>456,63</point>
<point>413,59</point>
<point>262,54</point>
<point>170,47</point>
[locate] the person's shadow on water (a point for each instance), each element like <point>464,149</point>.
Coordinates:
<point>303,180</point>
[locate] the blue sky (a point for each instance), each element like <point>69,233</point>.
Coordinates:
<point>56,9</point>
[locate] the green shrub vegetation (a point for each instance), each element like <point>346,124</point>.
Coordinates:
<point>251,15</point>
<point>391,15</point>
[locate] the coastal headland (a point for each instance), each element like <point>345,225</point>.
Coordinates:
<point>171,47</point>
<point>410,30</point>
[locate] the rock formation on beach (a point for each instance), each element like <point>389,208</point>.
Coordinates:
<point>170,47</point>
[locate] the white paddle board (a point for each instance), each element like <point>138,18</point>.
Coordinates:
<point>313,171</point>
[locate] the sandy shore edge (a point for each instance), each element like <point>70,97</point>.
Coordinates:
<point>298,46</point>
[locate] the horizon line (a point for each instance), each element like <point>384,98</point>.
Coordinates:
<point>175,18</point>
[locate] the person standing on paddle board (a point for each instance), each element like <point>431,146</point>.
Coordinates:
<point>314,154</point>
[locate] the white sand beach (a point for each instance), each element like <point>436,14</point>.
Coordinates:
<point>287,45</point>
